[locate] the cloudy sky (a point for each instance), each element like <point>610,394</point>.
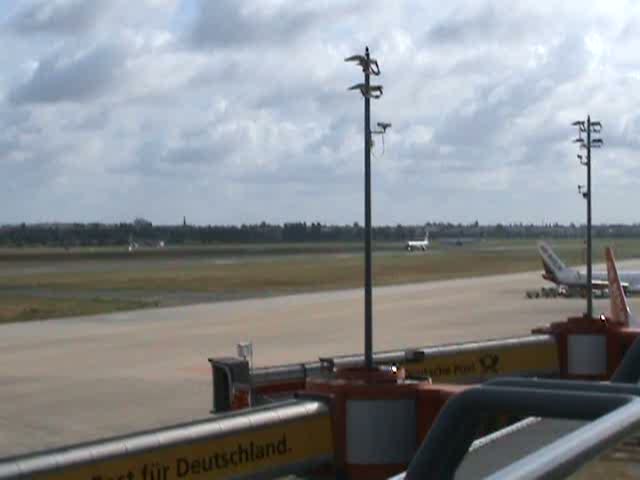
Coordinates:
<point>231,111</point>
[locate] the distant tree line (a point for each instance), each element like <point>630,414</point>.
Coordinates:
<point>145,233</point>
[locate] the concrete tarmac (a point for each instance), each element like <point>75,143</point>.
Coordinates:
<point>79,379</point>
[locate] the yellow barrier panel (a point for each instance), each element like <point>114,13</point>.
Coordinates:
<point>487,361</point>
<point>278,446</point>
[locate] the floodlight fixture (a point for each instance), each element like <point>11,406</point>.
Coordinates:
<point>578,140</point>
<point>582,190</point>
<point>374,68</point>
<point>360,60</point>
<point>383,126</point>
<point>371,91</point>
<point>368,65</point>
<point>375,91</point>
<point>356,58</point>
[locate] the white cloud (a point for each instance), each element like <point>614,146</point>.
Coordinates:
<point>243,105</point>
<point>82,76</point>
<point>57,16</point>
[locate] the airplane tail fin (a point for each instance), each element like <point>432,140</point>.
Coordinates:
<point>620,311</point>
<point>550,261</point>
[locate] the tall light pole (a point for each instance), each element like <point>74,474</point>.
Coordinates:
<point>588,127</point>
<point>369,67</point>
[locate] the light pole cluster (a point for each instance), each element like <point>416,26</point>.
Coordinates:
<point>588,128</point>
<point>369,67</point>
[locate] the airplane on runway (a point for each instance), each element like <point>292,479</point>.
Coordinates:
<point>574,280</point>
<point>418,244</point>
<point>620,311</point>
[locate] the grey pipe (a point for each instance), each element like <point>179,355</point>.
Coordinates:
<point>629,369</point>
<point>561,458</point>
<point>449,438</point>
<point>565,385</point>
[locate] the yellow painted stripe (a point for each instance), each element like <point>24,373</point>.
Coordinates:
<point>487,362</point>
<point>218,458</point>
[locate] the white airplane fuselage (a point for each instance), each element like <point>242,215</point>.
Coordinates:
<point>571,277</point>
<point>417,245</point>
<point>556,272</point>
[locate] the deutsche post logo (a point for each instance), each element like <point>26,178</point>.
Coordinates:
<point>489,363</point>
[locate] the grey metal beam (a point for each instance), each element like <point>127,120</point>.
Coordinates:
<point>449,439</point>
<point>569,453</point>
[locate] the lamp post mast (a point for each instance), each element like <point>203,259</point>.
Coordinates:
<point>368,297</point>
<point>589,127</point>
<point>369,67</point>
<point>589,253</point>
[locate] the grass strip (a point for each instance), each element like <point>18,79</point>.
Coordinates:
<point>24,307</point>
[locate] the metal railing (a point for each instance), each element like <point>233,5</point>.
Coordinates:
<point>570,453</point>
<point>449,439</point>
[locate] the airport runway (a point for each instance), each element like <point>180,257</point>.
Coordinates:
<point>71,380</point>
